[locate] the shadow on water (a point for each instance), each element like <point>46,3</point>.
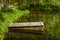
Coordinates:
<point>26,36</point>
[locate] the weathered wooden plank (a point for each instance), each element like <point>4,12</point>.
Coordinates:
<point>27,24</point>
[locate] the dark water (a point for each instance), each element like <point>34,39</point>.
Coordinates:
<point>24,36</point>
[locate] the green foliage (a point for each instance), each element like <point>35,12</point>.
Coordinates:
<point>9,18</point>
<point>6,9</point>
<point>41,4</point>
<point>1,17</point>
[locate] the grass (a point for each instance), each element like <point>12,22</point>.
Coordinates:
<point>9,18</point>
